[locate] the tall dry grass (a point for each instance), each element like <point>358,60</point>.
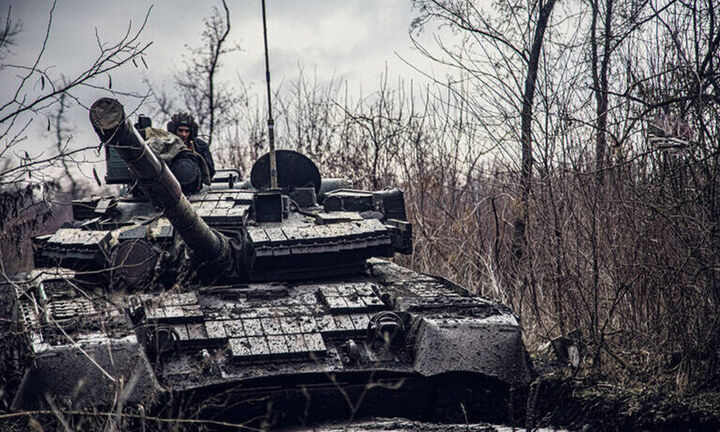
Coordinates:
<point>630,260</point>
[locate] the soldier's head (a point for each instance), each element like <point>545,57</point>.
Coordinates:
<point>183,125</point>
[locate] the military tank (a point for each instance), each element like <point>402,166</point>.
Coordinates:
<point>242,304</point>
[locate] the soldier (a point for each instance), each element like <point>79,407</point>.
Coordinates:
<point>183,125</point>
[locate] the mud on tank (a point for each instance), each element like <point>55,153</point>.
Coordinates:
<point>238,302</point>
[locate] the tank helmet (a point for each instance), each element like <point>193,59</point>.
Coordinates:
<point>183,119</point>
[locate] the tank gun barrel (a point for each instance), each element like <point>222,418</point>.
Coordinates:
<point>156,180</point>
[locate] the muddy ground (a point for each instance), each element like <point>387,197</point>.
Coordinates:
<point>555,402</point>
<point>556,399</point>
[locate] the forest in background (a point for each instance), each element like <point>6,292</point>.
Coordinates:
<point>569,166</point>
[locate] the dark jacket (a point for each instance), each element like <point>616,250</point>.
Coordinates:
<point>203,149</point>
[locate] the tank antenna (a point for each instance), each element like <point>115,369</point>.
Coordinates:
<point>270,122</point>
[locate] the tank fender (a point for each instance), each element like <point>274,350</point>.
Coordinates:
<point>491,346</point>
<point>103,372</point>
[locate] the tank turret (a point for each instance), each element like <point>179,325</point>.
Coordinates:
<point>270,241</point>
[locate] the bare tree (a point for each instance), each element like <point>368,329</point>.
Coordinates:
<point>526,141</point>
<point>199,89</point>
<point>498,52</point>
<point>25,188</point>
<point>600,77</point>
<point>8,33</point>
<point>110,57</point>
<point>62,140</point>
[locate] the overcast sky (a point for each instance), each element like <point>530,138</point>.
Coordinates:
<point>353,40</point>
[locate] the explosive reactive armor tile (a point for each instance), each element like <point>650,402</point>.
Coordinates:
<point>215,330</point>
<point>350,298</point>
<point>290,346</point>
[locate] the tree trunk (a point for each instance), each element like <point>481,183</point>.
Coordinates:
<point>600,83</point>
<point>215,51</point>
<point>522,220</point>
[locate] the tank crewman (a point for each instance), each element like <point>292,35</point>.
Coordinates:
<point>183,125</point>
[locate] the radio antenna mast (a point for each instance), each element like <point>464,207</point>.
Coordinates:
<point>270,121</point>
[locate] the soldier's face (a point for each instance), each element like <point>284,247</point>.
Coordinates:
<point>184,133</point>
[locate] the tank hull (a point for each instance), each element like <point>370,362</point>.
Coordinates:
<point>455,352</point>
